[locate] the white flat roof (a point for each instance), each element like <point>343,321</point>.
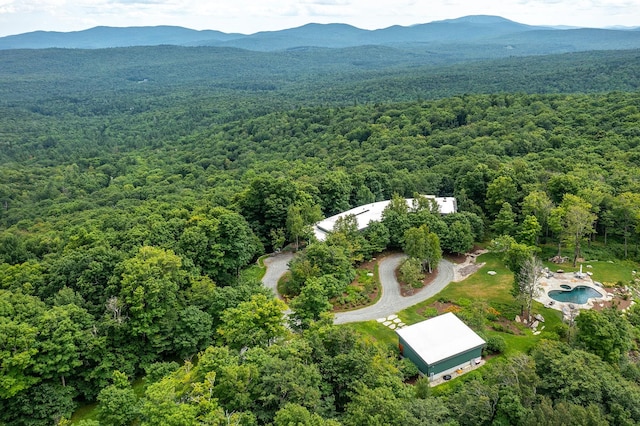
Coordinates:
<point>373,212</point>
<point>439,338</point>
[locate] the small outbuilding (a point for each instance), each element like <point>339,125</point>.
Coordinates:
<point>440,345</point>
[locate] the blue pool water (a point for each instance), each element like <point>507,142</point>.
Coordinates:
<point>579,295</point>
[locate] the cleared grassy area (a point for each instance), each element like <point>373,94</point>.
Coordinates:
<point>261,259</point>
<point>85,412</point>
<point>256,271</point>
<point>138,386</point>
<point>494,289</point>
<point>611,272</point>
<point>376,332</point>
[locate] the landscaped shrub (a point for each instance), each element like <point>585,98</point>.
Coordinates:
<point>408,368</point>
<point>464,302</point>
<point>562,330</point>
<point>492,314</point>
<point>501,328</point>
<point>422,388</point>
<point>430,312</point>
<point>351,297</point>
<point>453,308</point>
<point>496,345</point>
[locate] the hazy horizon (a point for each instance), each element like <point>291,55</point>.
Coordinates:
<point>251,16</point>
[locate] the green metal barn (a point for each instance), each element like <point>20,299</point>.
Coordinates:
<point>440,345</point>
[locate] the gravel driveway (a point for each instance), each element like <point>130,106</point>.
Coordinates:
<point>391,300</point>
<point>276,265</point>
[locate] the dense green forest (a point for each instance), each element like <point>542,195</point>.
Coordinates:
<point>136,190</point>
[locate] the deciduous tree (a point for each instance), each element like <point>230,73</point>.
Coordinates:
<point>538,204</point>
<point>578,221</point>
<point>606,334</point>
<point>118,403</point>
<point>423,245</point>
<point>396,218</point>
<point>501,190</point>
<point>149,288</point>
<point>529,231</point>
<point>411,272</point>
<point>527,283</point>
<point>459,236</point>
<point>626,213</point>
<point>257,322</point>
<point>505,222</point>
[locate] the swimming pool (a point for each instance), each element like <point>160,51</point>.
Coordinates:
<point>578,295</point>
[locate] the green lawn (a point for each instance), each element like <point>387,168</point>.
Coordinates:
<point>494,289</point>
<point>376,332</point>
<point>605,270</point>
<point>611,272</point>
<point>255,271</point>
<point>85,412</point>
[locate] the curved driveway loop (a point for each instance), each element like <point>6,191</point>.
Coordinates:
<point>276,265</point>
<point>391,300</point>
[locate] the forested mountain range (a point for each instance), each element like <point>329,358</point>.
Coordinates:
<point>133,80</point>
<point>486,36</point>
<point>137,186</point>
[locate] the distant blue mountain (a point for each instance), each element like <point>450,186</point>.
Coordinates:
<point>105,37</point>
<point>486,33</point>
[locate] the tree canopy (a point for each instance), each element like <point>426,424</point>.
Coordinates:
<point>135,191</point>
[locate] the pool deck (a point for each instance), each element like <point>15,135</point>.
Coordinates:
<point>554,281</point>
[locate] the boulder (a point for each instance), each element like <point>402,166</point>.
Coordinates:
<point>539,317</point>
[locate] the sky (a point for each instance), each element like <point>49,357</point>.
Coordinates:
<point>251,16</point>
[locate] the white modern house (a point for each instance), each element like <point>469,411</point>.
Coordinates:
<point>373,212</point>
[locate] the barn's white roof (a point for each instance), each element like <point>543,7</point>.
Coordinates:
<point>439,338</point>
<point>373,212</point>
